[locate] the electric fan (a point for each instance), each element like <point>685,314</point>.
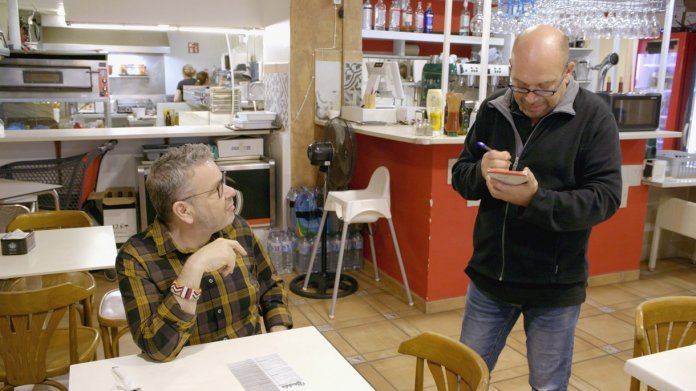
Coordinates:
<point>335,155</point>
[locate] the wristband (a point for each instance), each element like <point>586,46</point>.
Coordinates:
<point>186,293</point>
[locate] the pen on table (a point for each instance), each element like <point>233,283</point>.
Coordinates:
<point>484,146</point>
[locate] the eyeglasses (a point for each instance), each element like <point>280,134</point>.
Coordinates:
<point>219,187</point>
<point>546,93</point>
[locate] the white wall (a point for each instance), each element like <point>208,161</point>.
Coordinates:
<point>276,43</point>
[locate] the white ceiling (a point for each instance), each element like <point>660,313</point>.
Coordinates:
<point>204,13</point>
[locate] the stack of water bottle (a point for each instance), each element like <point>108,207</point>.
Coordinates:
<point>288,252</point>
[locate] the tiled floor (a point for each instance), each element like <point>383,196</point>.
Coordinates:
<point>370,324</point>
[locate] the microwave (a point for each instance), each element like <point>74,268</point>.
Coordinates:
<point>252,177</point>
<point>634,112</point>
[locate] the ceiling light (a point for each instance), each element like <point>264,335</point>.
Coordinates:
<point>131,27</point>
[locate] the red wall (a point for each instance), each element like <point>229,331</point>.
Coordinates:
<point>435,227</point>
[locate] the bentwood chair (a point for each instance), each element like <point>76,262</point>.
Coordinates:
<point>8,212</point>
<point>112,322</point>
<point>33,348</point>
<point>663,323</point>
<point>360,206</point>
<point>55,220</point>
<point>453,365</point>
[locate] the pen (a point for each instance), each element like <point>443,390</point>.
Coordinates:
<point>484,146</point>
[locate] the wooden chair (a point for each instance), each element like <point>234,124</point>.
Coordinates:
<point>453,365</point>
<point>50,220</point>
<point>33,348</point>
<point>662,324</point>
<point>55,220</point>
<point>112,322</point>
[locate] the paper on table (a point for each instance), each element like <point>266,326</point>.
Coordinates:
<point>264,373</point>
<point>16,234</point>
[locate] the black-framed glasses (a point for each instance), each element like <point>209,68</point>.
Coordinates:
<point>219,187</point>
<point>538,92</point>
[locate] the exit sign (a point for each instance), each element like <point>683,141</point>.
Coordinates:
<point>193,47</point>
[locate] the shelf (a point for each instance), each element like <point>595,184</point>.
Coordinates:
<point>4,52</point>
<point>61,99</point>
<point>129,77</point>
<point>392,56</point>
<point>580,52</point>
<point>424,37</point>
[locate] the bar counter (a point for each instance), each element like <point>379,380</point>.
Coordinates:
<point>435,225</point>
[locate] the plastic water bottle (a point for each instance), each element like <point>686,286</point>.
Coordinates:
<point>275,250</point>
<point>286,254</point>
<point>358,245</point>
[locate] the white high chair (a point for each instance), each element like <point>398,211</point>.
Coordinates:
<point>359,206</point>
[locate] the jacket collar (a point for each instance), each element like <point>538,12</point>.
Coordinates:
<point>504,101</point>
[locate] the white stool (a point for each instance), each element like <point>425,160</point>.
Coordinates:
<point>359,206</point>
<point>673,215</point>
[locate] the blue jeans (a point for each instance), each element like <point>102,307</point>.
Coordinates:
<point>550,335</point>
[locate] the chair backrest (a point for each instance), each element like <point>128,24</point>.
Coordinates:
<point>379,183</point>
<point>28,321</point>
<point>8,212</point>
<point>454,366</point>
<point>50,220</point>
<point>665,323</point>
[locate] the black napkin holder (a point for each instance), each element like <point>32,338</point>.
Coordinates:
<point>17,246</point>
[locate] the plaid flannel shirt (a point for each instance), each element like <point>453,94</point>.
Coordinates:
<point>229,307</point>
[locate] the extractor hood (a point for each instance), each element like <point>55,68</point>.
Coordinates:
<point>71,39</point>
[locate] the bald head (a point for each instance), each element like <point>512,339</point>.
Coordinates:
<point>541,44</point>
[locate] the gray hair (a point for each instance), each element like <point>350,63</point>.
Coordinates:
<point>171,174</point>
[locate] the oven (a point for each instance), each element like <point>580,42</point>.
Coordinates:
<point>44,74</point>
<point>253,178</point>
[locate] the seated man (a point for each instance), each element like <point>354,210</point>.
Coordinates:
<point>197,274</point>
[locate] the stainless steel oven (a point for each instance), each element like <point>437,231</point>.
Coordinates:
<point>253,178</point>
<point>44,74</point>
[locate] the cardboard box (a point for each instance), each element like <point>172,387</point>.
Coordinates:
<point>240,146</point>
<point>119,211</point>
<point>15,243</point>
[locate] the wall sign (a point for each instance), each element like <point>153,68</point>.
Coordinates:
<point>193,47</point>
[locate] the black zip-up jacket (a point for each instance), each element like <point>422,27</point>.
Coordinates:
<point>575,155</point>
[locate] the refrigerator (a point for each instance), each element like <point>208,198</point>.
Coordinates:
<point>679,80</point>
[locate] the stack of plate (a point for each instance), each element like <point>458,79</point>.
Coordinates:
<point>254,120</point>
<point>220,100</point>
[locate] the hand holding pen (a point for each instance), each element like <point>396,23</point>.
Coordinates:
<point>493,159</point>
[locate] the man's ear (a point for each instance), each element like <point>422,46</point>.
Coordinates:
<point>182,210</point>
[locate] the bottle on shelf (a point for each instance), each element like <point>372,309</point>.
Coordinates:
<point>428,19</point>
<point>608,84</point>
<point>476,23</point>
<point>419,19</point>
<point>367,15</point>
<point>620,85</point>
<point>395,16</point>
<point>406,16</point>
<point>464,19</point>
<point>380,15</point>
<point>434,105</point>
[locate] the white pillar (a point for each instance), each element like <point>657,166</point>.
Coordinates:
<point>13,25</point>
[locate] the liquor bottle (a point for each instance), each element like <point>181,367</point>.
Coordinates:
<point>380,15</point>
<point>407,16</point>
<point>608,84</point>
<point>395,16</point>
<point>367,15</point>
<point>620,84</point>
<point>420,20</point>
<point>428,25</point>
<point>464,19</point>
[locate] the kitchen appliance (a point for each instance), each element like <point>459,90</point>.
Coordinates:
<point>679,79</point>
<point>127,106</point>
<point>634,111</point>
<point>253,178</point>
<point>45,74</point>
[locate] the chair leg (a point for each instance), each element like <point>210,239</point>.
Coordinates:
<point>653,248</point>
<point>339,266</point>
<point>314,249</point>
<point>401,262</point>
<point>372,248</point>
<point>106,341</point>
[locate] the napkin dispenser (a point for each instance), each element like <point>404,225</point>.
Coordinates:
<point>17,243</point>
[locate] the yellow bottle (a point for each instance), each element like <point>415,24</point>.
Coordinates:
<point>434,104</point>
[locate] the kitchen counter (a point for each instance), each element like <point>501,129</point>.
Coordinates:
<point>130,133</point>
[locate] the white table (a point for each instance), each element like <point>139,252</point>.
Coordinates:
<point>63,250</point>
<point>671,370</point>
<point>11,189</point>
<point>205,367</point>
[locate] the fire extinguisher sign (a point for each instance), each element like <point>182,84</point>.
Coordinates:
<point>193,47</point>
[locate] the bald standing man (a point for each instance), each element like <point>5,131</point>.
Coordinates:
<point>530,240</point>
